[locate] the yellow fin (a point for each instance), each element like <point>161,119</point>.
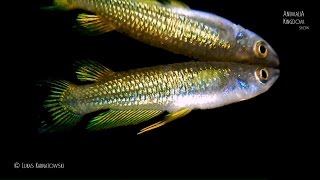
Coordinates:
<point>63,115</point>
<point>91,71</point>
<point>177,3</point>
<point>170,117</point>
<point>116,118</point>
<point>209,76</point>
<point>93,24</point>
<point>174,3</point>
<point>152,2</point>
<point>64,4</point>
<point>60,5</point>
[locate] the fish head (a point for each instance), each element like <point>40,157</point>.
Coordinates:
<point>252,49</point>
<point>252,81</point>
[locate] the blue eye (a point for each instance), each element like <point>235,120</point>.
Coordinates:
<point>243,83</point>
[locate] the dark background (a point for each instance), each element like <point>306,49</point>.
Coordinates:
<point>255,138</point>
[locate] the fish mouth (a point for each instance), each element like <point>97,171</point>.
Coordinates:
<point>274,62</point>
<point>273,58</point>
<point>275,73</point>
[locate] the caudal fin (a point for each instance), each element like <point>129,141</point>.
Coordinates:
<point>64,116</point>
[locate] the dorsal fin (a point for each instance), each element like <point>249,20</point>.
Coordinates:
<point>177,3</point>
<point>93,24</point>
<point>174,3</point>
<point>88,70</point>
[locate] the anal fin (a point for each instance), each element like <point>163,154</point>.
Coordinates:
<point>116,118</point>
<point>170,117</point>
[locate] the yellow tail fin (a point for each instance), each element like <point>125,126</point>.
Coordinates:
<point>63,115</point>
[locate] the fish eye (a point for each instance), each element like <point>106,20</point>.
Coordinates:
<point>262,75</point>
<point>260,49</point>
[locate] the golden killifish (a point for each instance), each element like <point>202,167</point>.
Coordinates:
<point>134,96</point>
<point>176,28</point>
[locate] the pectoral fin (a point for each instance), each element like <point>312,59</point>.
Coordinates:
<point>170,117</point>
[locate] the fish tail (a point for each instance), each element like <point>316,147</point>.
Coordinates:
<point>59,105</point>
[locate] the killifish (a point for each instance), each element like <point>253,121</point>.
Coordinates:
<point>175,27</point>
<point>134,96</point>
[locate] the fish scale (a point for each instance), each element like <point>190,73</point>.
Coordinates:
<point>146,87</point>
<point>137,95</point>
<point>162,20</point>
<point>176,28</point>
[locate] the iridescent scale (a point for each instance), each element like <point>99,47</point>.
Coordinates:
<point>150,88</point>
<point>159,26</point>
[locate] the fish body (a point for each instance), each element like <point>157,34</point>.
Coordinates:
<point>138,95</point>
<point>175,28</point>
